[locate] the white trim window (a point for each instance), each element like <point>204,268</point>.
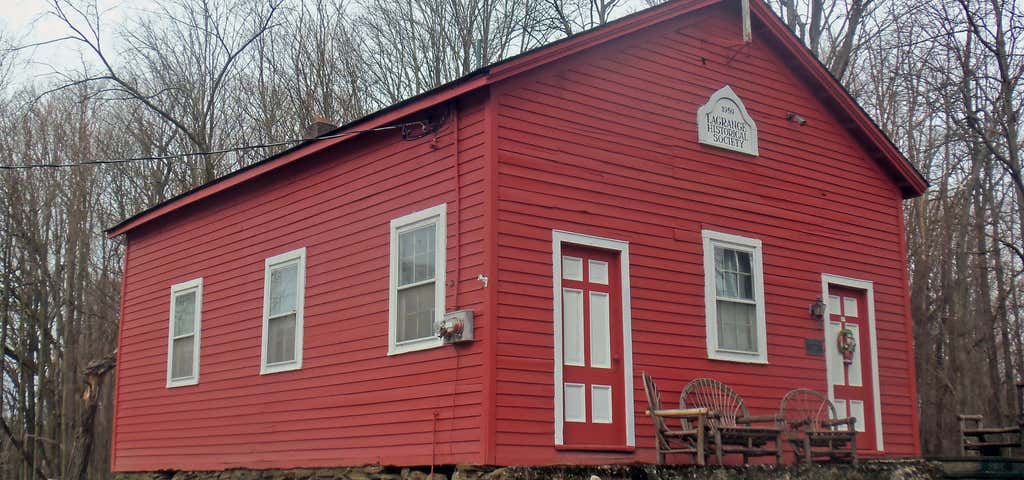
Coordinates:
<point>183,333</point>
<point>417,292</point>
<point>283,297</point>
<point>734,298</point>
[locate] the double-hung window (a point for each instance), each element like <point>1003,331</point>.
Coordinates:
<point>417,280</point>
<point>734,298</point>
<point>283,292</point>
<point>183,333</point>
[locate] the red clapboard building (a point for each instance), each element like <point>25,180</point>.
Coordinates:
<point>653,195</point>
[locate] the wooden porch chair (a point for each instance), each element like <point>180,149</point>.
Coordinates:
<point>732,428</point>
<point>690,439</point>
<point>813,428</point>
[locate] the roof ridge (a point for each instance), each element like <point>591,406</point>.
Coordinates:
<point>913,183</point>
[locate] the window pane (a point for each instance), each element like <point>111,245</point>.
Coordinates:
<point>181,358</point>
<point>184,313</point>
<point>743,261</point>
<point>415,312</point>
<point>416,255</point>
<point>746,286</point>
<point>283,285</point>
<point>281,339</point>
<point>725,259</point>
<point>733,276</point>
<point>744,279</point>
<point>737,326</point>
<point>424,247</point>
<point>405,246</point>
<point>725,284</point>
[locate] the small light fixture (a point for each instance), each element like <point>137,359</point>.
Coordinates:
<point>817,309</point>
<point>796,118</point>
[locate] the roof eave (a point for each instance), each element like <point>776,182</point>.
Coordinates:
<point>381,118</point>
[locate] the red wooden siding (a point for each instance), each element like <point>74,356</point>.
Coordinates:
<point>604,143</point>
<point>350,403</point>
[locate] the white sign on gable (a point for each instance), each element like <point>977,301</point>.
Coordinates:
<point>723,122</point>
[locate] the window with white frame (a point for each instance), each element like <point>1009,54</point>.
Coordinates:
<point>417,279</point>
<point>283,292</point>
<point>183,333</point>
<point>734,298</point>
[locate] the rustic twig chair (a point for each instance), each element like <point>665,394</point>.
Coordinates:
<point>813,428</point>
<point>732,428</point>
<point>690,439</point>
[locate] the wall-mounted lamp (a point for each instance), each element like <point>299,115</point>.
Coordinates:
<point>817,309</point>
<point>796,118</point>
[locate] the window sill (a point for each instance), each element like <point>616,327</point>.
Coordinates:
<point>407,346</point>
<point>595,448</point>
<point>280,367</point>
<point>182,382</point>
<point>727,356</point>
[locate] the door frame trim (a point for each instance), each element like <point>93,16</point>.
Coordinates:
<point>869,290</point>
<point>557,238</point>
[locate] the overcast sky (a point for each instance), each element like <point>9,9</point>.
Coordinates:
<point>27,22</point>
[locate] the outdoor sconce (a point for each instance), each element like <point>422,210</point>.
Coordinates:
<point>817,309</point>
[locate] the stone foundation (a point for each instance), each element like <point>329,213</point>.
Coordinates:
<point>870,470</point>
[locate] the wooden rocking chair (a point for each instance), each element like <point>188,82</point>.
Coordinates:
<point>686,440</point>
<point>813,429</point>
<point>732,428</point>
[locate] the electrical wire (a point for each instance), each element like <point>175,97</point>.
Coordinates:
<point>425,126</point>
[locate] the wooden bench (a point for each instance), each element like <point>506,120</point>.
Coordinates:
<point>987,441</point>
<point>990,441</point>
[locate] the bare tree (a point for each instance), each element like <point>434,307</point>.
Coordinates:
<point>179,66</point>
<point>833,30</point>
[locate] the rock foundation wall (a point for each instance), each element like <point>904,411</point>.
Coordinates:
<point>874,470</point>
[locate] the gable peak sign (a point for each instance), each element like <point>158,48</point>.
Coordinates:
<point>723,122</point>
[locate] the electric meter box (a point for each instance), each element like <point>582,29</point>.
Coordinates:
<point>456,327</point>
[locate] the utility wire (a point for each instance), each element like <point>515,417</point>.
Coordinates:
<point>404,126</point>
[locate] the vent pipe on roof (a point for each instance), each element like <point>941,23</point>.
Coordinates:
<point>319,127</point>
<point>745,13</point>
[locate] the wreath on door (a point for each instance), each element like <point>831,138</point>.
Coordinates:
<point>847,342</point>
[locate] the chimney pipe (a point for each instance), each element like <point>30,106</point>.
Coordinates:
<point>319,127</point>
